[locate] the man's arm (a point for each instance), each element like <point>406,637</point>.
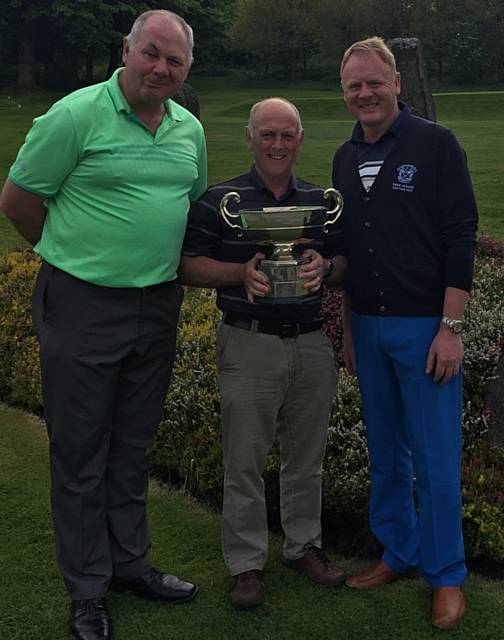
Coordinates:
<point>201,271</point>
<point>447,351</point>
<point>24,209</point>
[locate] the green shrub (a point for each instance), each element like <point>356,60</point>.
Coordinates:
<point>20,371</point>
<point>188,442</point>
<point>483,493</point>
<point>188,449</point>
<point>345,479</point>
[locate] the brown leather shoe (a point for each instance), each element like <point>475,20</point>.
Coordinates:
<point>448,607</point>
<point>316,566</point>
<point>373,577</point>
<point>248,589</point>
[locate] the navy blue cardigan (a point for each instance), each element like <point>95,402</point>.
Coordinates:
<point>414,233</point>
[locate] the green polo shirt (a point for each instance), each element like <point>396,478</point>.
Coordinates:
<point>117,195</point>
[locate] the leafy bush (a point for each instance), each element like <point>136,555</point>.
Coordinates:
<point>20,371</point>
<point>346,480</point>
<point>483,493</point>
<point>188,450</point>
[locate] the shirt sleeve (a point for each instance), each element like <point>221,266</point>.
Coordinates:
<point>49,154</point>
<point>200,185</point>
<point>458,213</point>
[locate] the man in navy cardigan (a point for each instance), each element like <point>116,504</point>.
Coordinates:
<point>409,229</point>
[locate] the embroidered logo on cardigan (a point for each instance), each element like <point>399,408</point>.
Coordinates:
<point>405,175</point>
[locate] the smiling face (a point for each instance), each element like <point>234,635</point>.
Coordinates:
<point>274,137</point>
<point>156,63</point>
<point>370,90</point>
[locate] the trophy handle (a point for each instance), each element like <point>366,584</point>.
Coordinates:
<point>228,215</point>
<point>338,200</point>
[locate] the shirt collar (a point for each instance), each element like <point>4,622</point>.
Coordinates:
<point>394,130</point>
<point>257,182</point>
<point>121,104</point>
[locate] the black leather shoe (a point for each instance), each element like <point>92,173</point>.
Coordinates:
<point>89,620</point>
<point>155,585</point>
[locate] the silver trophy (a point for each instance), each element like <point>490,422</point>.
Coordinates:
<point>283,232</point>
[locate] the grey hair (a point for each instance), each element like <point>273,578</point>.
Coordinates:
<point>137,27</point>
<point>255,108</point>
<point>370,45</point>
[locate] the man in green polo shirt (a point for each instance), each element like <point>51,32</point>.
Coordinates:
<point>101,188</point>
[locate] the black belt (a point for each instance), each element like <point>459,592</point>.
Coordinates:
<point>159,285</point>
<point>281,329</point>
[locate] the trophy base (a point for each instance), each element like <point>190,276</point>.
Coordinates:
<point>284,280</point>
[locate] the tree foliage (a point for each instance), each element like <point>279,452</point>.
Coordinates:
<point>282,32</point>
<point>463,40</point>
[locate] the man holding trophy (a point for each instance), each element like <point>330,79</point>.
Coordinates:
<point>268,255</point>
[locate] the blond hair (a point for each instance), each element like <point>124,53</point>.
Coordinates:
<point>370,45</point>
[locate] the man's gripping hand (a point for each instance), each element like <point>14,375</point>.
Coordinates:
<point>255,282</point>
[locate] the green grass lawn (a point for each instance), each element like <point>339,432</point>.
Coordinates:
<point>186,540</point>
<point>476,117</point>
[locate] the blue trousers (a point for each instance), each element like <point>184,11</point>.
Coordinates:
<point>414,440</point>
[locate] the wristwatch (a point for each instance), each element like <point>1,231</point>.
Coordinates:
<point>456,326</point>
<point>329,270</point>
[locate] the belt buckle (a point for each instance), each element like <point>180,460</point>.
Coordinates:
<point>288,330</point>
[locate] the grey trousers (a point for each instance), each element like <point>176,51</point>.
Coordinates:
<point>272,386</point>
<point>106,356</point>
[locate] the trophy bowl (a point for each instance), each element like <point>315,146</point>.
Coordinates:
<point>282,230</point>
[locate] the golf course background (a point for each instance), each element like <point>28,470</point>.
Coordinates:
<point>187,450</point>
<point>476,117</point>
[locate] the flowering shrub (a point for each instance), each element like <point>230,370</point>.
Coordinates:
<point>188,447</point>
<point>188,450</point>
<point>490,247</point>
<point>483,493</point>
<point>20,371</point>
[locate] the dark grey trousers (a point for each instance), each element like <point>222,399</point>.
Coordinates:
<point>106,356</point>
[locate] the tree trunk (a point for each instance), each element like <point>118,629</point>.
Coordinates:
<point>114,50</point>
<point>89,65</point>
<point>26,71</point>
<point>414,85</point>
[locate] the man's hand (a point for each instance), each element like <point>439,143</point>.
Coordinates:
<point>255,282</point>
<point>445,356</point>
<point>312,271</point>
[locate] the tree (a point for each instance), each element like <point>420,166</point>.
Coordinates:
<point>276,32</point>
<point>487,20</point>
<point>211,21</point>
<point>68,33</point>
<point>436,25</point>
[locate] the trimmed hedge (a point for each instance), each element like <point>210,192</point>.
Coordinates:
<point>188,451</point>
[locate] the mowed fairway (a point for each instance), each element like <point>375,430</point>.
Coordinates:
<point>477,118</point>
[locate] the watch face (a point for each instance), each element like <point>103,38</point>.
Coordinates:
<point>457,326</point>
